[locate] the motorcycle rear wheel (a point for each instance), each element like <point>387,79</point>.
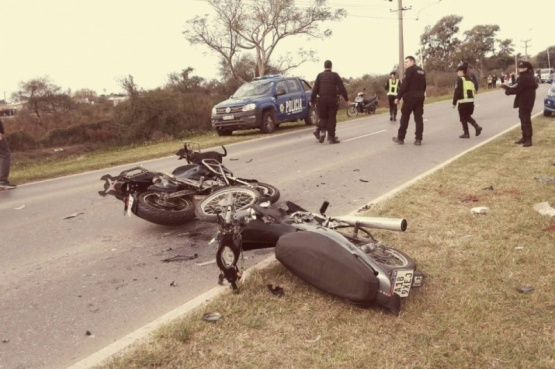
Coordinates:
<point>267,192</point>
<point>209,207</point>
<point>155,209</point>
<point>352,111</point>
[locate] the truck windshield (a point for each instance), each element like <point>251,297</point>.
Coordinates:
<point>255,88</point>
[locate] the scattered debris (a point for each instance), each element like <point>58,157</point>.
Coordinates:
<point>469,198</point>
<point>248,161</point>
<point>206,263</point>
<point>544,179</point>
<point>20,207</point>
<point>480,210</point>
<point>525,289</point>
<point>363,180</point>
<point>356,170</point>
<point>5,340</point>
<point>233,159</point>
<point>73,215</point>
<point>314,340</point>
<point>88,333</point>
<point>180,258</point>
<point>277,290</point>
<point>58,150</point>
<point>173,284</point>
<point>365,207</point>
<point>519,248</point>
<point>212,317</point>
<point>490,188</point>
<point>544,209</point>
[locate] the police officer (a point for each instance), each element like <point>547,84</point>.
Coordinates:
<point>465,91</point>
<point>525,91</point>
<point>412,91</point>
<point>328,87</point>
<point>392,86</point>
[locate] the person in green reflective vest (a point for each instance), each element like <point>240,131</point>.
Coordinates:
<point>391,87</point>
<point>465,91</point>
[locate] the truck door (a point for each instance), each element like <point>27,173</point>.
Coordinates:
<point>281,102</point>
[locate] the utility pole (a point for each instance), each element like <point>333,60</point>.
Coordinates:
<point>526,47</point>
<point>400,9</point>
<point>548,61</point>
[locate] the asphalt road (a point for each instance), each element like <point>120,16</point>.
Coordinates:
<point>71,286</point>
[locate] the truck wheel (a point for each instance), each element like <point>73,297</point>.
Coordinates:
<point>546,113</point>
<point>311,117</point>
<point>268,122</point>
<point>223,132</point>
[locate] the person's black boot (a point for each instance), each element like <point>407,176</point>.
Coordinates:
<point>317,134</point>
<point>520,142</point>
<point>322,137</point>
<point>398,140</point>
<point>333,140</point>
<point>464,135</point>
<point>478,131</point>
<point>527,142</point>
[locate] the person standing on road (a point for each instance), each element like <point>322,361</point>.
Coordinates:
<point>327,88</point>
<point>5,158</point>
<point>413,93</point>
<point>464,96</point>
<point>525,91</point>
<point>392,86</point>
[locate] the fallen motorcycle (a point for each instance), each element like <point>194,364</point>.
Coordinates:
<point>351,265</point>
<point>177,197</point>
<point>360,105</point>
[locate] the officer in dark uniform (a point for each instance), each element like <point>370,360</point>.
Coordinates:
<point>327,88</point>
<point>391,87</point>
<point>525,91</point>
<point>413,89</point>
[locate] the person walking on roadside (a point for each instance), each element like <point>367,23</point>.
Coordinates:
<point>494,80</point>
<point>5,157</point>
<point>464,96</point>
<point>392,86</point>
<point>327,88</point>
<point>525,90</point>
<point>413,93</point>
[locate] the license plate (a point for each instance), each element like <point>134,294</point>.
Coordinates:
<point>228,117</point>
<point>401,282</point>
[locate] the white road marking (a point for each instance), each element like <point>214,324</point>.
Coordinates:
<point>369,134</point>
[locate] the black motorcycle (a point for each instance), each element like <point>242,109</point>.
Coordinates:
<point>337,255</point>
<point>177,197</point>
<point>360,105</point>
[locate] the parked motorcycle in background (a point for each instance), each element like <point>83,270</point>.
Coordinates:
<point>361,105</point>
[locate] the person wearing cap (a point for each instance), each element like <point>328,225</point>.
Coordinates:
<point>413,93</point>
<point>468,72</point>
<point>525,90</point>
<point>392,86</point>
<point>5,156</point>
<point>464,96</point>
<point>327,88</point>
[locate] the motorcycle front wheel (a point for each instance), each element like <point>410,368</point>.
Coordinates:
<point>209,208</point>
<point>154,208</point>
<point>267,191</point>
<point>352,111</point>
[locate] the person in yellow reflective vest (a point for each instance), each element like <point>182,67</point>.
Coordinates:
<point>465,91</point>
<point>391,87</point>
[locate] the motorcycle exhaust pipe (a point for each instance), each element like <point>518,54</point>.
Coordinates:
<point>391,224</point>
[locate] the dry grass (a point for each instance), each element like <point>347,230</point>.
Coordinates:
<point>469,314</point>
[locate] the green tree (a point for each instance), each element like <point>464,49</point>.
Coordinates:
<point>541,59</point>
<point>440,44</point>
<point>478,44</point>
<point>256,27</point>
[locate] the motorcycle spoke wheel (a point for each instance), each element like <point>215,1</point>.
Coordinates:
<point>352,111</point>
<point>243,198</point>
<point>388,256</point>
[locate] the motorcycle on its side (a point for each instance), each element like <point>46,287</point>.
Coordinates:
<point>360,105</point>
<point>178,197</point>
<point>338,255</point>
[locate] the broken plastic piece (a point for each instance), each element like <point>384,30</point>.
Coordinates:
<point>480,210</point>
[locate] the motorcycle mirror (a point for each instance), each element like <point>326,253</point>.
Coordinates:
<point>324,207</point>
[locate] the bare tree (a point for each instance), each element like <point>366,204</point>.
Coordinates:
<point>257,27</point>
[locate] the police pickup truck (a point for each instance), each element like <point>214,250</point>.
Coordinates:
<point>264,103</point>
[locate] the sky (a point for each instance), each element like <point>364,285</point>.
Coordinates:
<point>94,44</point>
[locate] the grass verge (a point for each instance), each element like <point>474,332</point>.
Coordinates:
<point>469,314</point>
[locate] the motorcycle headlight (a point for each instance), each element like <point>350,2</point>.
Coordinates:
<point>249,107</point>
<point>214,112</point>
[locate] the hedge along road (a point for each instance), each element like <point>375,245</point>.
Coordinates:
<point>70,287</point>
